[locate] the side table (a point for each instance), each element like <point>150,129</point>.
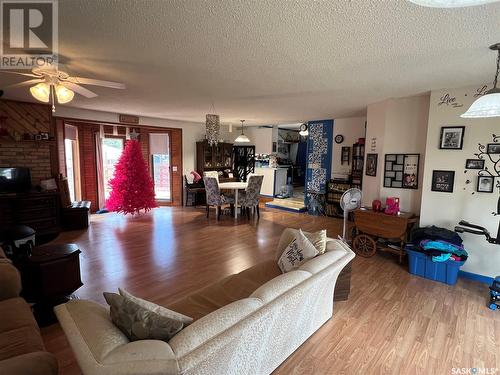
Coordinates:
<point>49,276</point>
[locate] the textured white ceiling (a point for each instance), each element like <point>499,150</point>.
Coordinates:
<point>269,61</point>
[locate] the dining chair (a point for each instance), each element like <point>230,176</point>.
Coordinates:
<point>193,189</point>
<point>250,197</point>
<point>213,174</point>
<point>215,198</point>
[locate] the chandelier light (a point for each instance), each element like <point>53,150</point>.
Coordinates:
<point>212,124</point>
<point>242,138</point>
<point>451,3</point>
<point>487,105</point>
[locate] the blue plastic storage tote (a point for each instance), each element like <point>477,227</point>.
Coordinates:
<point>422,265</point>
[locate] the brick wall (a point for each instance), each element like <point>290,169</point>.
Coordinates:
<point>20,118</point>
<point>34,155</point>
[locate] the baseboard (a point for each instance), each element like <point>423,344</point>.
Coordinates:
<point>476,277</point>
<point>286,208</point>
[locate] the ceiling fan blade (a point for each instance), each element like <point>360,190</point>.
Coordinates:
<point>26,83</point>
<point>79,89</point>
<point>21,74</point>
<point>96,82</point>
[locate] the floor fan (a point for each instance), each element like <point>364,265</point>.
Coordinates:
<point>350,200</point>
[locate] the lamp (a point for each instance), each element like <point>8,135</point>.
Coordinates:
<point>64,95</point>
<point>242,138</point>
<point>487,105</point>
<point>451,3</point>
<point>41,92</point>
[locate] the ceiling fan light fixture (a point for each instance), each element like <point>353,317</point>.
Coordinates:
<point>64,95</point>
<point>488,105</point>
<point>451,3</point>
<point>41,92</point>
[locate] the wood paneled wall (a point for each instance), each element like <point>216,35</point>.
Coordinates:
<point>20,118</point>
<point>88,157</point>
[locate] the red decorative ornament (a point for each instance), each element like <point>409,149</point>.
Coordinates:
<point>132,187</point>
<point>376,205</point>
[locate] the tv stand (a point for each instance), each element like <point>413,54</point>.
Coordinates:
<point>39,211</point>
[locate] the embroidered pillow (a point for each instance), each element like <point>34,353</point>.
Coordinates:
<point>297,252</point>
<point>160,310</point>
<point>138,323</point>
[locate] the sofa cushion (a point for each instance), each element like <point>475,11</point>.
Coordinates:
<point>160,310</point>
<point>318,239</point>
<point>35,363</point>
<point>10,281</point>
<point>16,313</point>
<point>298,251</point>
<point>226,291</point>
<point>139,323</point>
<point>289,234</point>
<point>22,340</point>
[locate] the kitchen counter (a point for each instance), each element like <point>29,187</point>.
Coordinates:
<point>274,179</point>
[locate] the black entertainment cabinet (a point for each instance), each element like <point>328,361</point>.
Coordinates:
<point>40,211</point>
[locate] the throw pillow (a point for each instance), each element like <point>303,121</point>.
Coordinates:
<point>318,239</point>
<point>160,310</point>
<point>297,252</point>
<point>138,323</point>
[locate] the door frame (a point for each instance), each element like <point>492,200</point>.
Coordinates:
<point>162,202</point>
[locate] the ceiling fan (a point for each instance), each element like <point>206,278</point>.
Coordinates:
<point>51,84</point>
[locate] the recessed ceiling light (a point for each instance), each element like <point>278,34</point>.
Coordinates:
<point>451,3</point>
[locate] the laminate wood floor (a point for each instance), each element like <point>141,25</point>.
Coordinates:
<point>393,323</point>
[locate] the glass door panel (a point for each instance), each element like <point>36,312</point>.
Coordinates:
<point>159,148</point>
<point>111,151</point>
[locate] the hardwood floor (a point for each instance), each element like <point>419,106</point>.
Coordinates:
<point>392,323</point>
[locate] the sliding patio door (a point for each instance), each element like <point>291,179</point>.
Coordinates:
<point>159,150</point>
<point>112,148</point>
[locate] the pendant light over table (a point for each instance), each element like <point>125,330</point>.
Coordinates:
<point>242,138</point>
<point>487,105</point>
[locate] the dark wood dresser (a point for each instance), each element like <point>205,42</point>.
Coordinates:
<point>39,211</point>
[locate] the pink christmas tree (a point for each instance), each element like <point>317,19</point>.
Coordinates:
<point>132,187</point>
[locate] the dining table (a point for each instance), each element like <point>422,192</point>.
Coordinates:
<point>235,187</point>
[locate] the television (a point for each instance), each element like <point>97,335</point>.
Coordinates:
<point>15,180</point>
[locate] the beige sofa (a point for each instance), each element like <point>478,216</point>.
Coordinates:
<point>247,323</point>
<point>21,346</point>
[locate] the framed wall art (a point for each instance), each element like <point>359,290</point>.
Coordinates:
<point>345,155</point>
<point>401,171</point>
<point>371,164</point>
<point>493,148</point>
<point>474,164</point>
<point>452,137</point>
<point>443,181</point>
<point>485,184</point>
